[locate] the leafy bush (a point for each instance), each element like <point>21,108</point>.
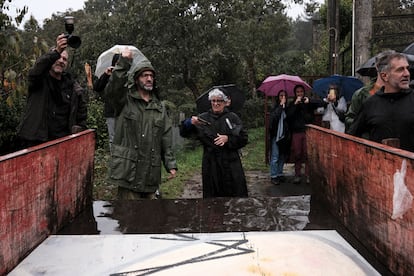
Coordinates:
<point>252,113</point>
<point>10,112</point>
<point>96,120</point>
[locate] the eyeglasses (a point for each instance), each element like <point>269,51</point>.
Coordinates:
<point>147,75</point>
<point>217,101</point>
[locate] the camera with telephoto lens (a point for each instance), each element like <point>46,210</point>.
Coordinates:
<point>73,41</point>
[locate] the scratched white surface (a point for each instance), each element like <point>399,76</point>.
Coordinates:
<point>234,253</point>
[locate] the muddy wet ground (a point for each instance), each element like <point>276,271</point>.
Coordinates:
<point>258,184</point>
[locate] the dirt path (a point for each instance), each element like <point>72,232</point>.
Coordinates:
<point>258,185</point>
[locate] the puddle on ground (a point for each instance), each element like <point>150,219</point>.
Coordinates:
<point>193,215</point>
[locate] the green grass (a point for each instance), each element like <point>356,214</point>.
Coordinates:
<point>189,163</point>
<point>253,155</point>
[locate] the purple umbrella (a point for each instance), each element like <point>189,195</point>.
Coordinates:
<point>273,84</point>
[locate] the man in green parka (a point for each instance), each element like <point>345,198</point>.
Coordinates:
<point>143,130</point>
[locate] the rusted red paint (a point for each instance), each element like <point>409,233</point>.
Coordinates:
<point>354,178</point>
<point>41,189</point>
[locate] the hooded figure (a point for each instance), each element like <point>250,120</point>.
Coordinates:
<point>143,130</point>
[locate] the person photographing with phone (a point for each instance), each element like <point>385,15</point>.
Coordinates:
<point>299,113</point>
<point>335,109</point>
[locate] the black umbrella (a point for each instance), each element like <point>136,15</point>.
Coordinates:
<point>409,49</point>
<point>236,96</point>
<point>368,69</point>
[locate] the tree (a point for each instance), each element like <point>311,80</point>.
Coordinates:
<point>256,33</point>
<point>392,26</point>
<point>11,64</point>
<point>363,27</point>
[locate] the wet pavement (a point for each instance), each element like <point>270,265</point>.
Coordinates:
<point>269,207</point>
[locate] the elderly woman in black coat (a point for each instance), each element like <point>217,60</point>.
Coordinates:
<point>222,135</point>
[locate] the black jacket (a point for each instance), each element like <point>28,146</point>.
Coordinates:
<point>99,87</point>
<point>298,115</point>
<point>222,171</point>
<point>274,118</point>
<point>43,118</point>
<point>387,115</point>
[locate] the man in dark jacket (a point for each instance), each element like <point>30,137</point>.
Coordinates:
<point>389,113</point>
<point>56,104</point>
<point>359,97</point>
<point>109,112</point>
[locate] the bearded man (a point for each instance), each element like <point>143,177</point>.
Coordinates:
<point>143,130</point>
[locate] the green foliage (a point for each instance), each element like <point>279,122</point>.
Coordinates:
<point>316,61</point>
<point>6,21</point>
<point>393,26</point>
<point>252,113</point>
<point>96,120</point>
<point>188,109</point>
<point>253,155</point>
<point>9,119</point>
<point>102,190</point>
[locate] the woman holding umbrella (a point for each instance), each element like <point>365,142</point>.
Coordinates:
<point>222,134</point>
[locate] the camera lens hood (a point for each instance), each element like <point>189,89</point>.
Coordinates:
<point>74,41</point>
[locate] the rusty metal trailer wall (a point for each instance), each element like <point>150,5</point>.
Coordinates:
<point>355,179</point>
<point>41,189</point>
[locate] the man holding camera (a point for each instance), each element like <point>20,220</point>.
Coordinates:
<point>56,103</point>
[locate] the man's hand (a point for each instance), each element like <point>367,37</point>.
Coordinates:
<point>109,70</point>
<point>332,97</point>
<point>127,53</point>
<point>198,121</point>
<point>61,43</point>
<point>220,140</point>
<point>173,172</point>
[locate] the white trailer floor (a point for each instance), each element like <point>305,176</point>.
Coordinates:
<point>233,253</point>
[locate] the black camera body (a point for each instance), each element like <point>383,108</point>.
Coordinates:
<point>73,41</point>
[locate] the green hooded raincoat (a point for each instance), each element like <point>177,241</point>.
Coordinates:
<point>143,132</point>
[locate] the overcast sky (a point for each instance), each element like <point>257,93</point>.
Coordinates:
<point>42,9</point>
